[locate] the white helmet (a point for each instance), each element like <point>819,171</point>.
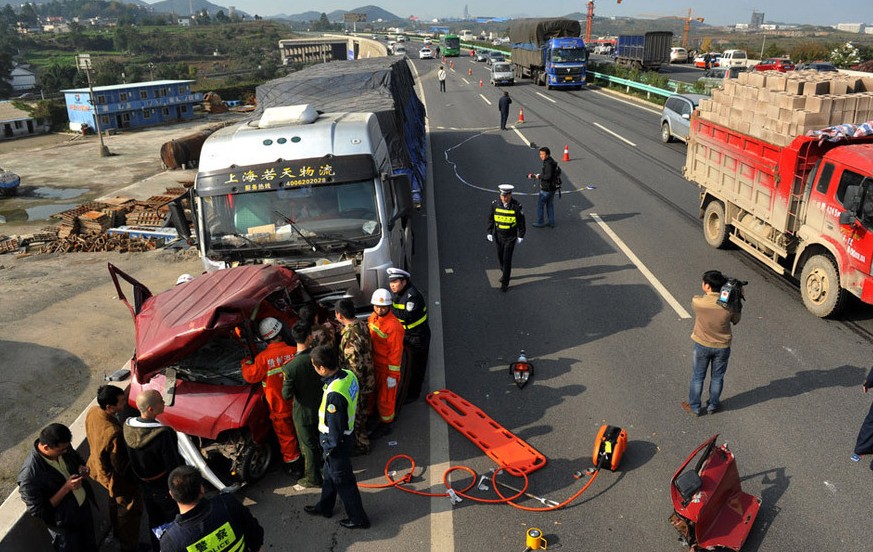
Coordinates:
<point>381,298</point>
<point>269,328</point>
<point>184,279</point>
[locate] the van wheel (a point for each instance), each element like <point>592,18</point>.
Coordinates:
<point>666,137</point>
<point>254,461</point>
<point>715,229</point>
<point>820,287</point>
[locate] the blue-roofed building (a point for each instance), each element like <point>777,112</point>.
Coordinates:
<point>132,105</point>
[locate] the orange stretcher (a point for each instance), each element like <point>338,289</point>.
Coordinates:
<point>501,445</point>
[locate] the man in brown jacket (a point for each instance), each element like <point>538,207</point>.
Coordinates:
<point>712,343</point>
<point>110,467</point>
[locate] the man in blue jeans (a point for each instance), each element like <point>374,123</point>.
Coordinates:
<point>712,343</point>
<point>548,185</point>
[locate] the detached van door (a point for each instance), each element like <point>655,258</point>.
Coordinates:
<point>140,292</point>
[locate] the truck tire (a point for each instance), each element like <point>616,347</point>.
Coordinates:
<point>820,286</point>
<point>715,228</point>
<point>666,135</point>
<point>254,461</point>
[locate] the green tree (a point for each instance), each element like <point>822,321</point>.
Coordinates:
<point>323,24</point>
<point>107,72</point>
<point>28,15</point>
<point>220,17</point>
<point>845,55</point>
<point>810,51</point>
<point>56,77</point>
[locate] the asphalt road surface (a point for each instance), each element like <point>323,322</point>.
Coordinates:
<point>600,305</point>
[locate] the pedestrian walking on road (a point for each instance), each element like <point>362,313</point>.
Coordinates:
<point>336,425</point>
<point>53,483</point>
<point>548,179</point>
<point>506,228</point>
<point>110,466</point>
<point>864,443</point>
<point>302,385</point>
<point>712,337</point>
<point>503,106</point>
<point>441,75</point>
<point>220,523</point>
<point>410,307</point>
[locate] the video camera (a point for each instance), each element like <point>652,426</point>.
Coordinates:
<point>731,295</point>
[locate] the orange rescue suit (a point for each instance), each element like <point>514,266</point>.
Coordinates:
<point>386,334</point>
<point>267,370</point>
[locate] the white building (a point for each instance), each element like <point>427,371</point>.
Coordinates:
<point>15,123</point>
<point>851,27</point>
<point>22,78</point>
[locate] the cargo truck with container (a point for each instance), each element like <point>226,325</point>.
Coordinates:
<point>800,202</point>
<point>551,52</point>
<point>322,180</point>
<point>646,52</point>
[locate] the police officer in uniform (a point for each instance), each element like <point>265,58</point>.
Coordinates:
<point>505,229</point>
<point>410,307</point>
<point>336,427</point>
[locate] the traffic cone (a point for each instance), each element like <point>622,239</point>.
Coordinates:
<point>453,66</point>
<point>566,153</point>
<point>480,83</point>
<point>521,115</point>
<point>470,71</point>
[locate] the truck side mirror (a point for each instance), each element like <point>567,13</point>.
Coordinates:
<point>401,186</point>
<point>847,218</point>
<point>177,217</point>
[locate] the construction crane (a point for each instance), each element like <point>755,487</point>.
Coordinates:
<point>590,19</point>
<point>687,21</point>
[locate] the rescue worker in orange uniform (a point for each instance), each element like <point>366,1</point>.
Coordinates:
<point>386,334</point>
<point>266,369</point>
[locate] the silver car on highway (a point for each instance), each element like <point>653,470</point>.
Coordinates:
<point>676,116</point>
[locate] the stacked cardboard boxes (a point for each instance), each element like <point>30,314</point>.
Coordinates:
<point>776,107</point>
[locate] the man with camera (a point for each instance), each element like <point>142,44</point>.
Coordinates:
<point>714,313</point>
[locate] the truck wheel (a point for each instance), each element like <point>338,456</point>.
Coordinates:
<point>666,136</point>
<point>254,461</point>
<point>820,286</point>
<point>715,229</point>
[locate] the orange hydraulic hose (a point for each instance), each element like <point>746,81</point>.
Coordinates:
<point>407,478</point>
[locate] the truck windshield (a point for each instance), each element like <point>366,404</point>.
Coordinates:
<point>341,217</point>
<point>569,55</point>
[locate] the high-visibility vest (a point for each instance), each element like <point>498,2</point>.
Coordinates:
<point>504,219</point>
<point>348,388</point>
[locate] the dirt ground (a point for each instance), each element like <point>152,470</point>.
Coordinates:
<point>62,328</point>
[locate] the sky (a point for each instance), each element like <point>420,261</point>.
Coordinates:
<point>716,13</point>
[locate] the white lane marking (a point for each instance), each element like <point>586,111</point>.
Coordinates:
<point>442,528</point>
<point>484,98</point>
<point>611,97</point>
<point>642,268</point>
<point>546,97</point>
<point>465,80</point>
<point>520,135</point>
<point>622,138</point>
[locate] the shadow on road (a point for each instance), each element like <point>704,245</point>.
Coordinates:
<point>802,382</point>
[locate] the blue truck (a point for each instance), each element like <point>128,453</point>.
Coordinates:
<point>644,52</point>
<point>549,51</point>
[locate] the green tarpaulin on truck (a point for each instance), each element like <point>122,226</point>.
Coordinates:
<point>537,31</point>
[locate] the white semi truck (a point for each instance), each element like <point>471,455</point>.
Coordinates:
<point>325,192</point>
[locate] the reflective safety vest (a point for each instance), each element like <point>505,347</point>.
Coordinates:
<point>411,325</point>
<point>504,219</point>
<point>348,388</point>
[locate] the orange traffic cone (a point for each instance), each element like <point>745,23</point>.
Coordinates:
<point>470,71</point>
<point>521,115</point>
<point>480,83</point>
<point>453,66</point>
<point>566,153</point>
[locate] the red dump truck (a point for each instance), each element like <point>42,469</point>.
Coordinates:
<point>804,209</point>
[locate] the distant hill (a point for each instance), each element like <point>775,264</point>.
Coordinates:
<point>373,13</point>
<point>183,7</point>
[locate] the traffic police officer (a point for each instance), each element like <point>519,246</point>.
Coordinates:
<point>336,427</point>
<point>410,307</point>
<point>506,229</point>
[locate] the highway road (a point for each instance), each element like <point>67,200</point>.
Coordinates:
<point>600,304</point>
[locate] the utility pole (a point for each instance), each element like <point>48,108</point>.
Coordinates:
<point>83,62</point>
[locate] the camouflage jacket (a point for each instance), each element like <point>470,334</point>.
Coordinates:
<point>356,354</point>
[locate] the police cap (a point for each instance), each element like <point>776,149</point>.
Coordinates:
<point>397,274</point>
<point>506,188</point>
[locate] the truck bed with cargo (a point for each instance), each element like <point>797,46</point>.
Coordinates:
<point>549,51</point>
<point>801,204</point>
<point>645,52</point>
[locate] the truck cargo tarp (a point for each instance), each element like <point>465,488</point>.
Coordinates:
<point>384,86</point>
<point>537,31</point>
<point>843,132</point>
